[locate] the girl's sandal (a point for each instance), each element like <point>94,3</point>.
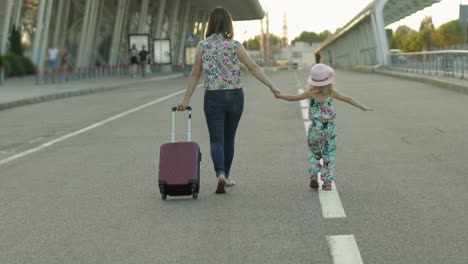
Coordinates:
<point>313,182</point>
<point>327,186</point>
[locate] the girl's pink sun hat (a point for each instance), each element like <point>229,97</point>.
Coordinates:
<point>321,75</point>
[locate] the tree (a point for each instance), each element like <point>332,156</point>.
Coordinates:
<point>15,42</point>
<point>426,24</point>
<point>254,43</point>
<point>312,37</point>
<point>447,34</point>
<point>396,42</point>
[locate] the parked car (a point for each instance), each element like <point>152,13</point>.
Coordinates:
<point>397,56</point>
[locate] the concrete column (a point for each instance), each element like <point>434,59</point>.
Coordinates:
<point>83,35</point>
<point>116,36</point>
<point>90,35</point>
<point>381,36</point>
<point>204,24</point>
<point>8,4</point>
<point>94,42</point>
<point>58,23</point>
<point>183,32</point>
<point>64,27</point>
<point>45,34</point>
<point>38,32</point>
<point>159,23</point>
<point>17,13</point>
<point>173,25</point>
<point>143,16</point>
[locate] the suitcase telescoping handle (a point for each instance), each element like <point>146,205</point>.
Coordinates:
<point>189,126</point>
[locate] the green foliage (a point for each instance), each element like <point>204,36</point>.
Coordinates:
<point>28,65</point>
<point>447,34</point>
<point>15,65</point>
<point>312,37</point>
<point>427,38</point>
<point>15,42</point>
<point>254,43</point>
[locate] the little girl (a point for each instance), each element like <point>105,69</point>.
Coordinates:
<point>322,131</point>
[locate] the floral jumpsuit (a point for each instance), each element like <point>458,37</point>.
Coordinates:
<point>322,138</point>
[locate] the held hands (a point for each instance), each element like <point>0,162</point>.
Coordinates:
<point>276,92</point>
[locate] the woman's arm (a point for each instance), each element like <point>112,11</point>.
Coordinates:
<point>254,69</point>
<point>193,79</point>
<point>350,100</point>
<point>294,97</point>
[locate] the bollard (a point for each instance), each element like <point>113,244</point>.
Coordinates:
<point>46,76</point>
<point>2,75</point>
<point>36,73</point>
<point>53,74</point>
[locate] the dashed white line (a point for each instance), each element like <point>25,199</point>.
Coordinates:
<point>86,129</point>
<point>344,249</point>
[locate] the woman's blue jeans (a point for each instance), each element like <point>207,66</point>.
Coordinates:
<point>223,110</point>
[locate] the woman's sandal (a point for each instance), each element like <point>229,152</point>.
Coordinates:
<point>230,182</point>
<point>221,183</point>
<point>313,182</point>
<point>327,186</point>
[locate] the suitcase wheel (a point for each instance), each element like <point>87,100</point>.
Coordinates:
<point>162,189</point>
<point>194,190</point>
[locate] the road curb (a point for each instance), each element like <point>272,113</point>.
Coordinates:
<point>446,84</point>
<point>84,91</point>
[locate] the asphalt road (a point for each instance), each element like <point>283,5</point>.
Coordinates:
<point>78,179</point>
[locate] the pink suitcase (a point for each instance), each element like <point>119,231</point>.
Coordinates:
<point>179,164</point>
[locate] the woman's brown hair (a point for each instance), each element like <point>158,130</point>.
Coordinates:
<point>220,21</point>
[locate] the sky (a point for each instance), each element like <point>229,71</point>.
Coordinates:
<point>317,16</point>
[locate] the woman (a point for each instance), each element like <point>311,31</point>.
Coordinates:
<point>219,57</point>
<point>133,61</point>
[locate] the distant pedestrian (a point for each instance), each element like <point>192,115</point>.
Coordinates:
<point>52,54</point>
<point>143,60</point>
<point>318,57</point>
<point>64,60</point>
<point>133,60</point>
<point>322,131</point>
<point>219,58</point>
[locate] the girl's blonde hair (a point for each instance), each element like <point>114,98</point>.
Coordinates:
<point>317,89</point>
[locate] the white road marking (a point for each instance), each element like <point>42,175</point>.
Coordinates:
<point>344,249</point>
<point>86,129</point>
<point>304,103</point>
<point>305,113</point>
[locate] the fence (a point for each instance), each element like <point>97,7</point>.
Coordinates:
<point>450,63</point>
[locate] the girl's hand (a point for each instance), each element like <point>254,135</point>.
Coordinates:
<point>365,108</point>
<point>182,105</point>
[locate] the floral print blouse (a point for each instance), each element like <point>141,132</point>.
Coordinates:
<point>221,67</point>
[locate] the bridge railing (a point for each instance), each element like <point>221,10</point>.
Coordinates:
<point>450,63</point>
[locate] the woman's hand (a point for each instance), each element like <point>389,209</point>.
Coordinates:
<point>182,105</point>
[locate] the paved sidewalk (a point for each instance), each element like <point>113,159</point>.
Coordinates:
<point>453,84</point>
<point>22,91</point>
